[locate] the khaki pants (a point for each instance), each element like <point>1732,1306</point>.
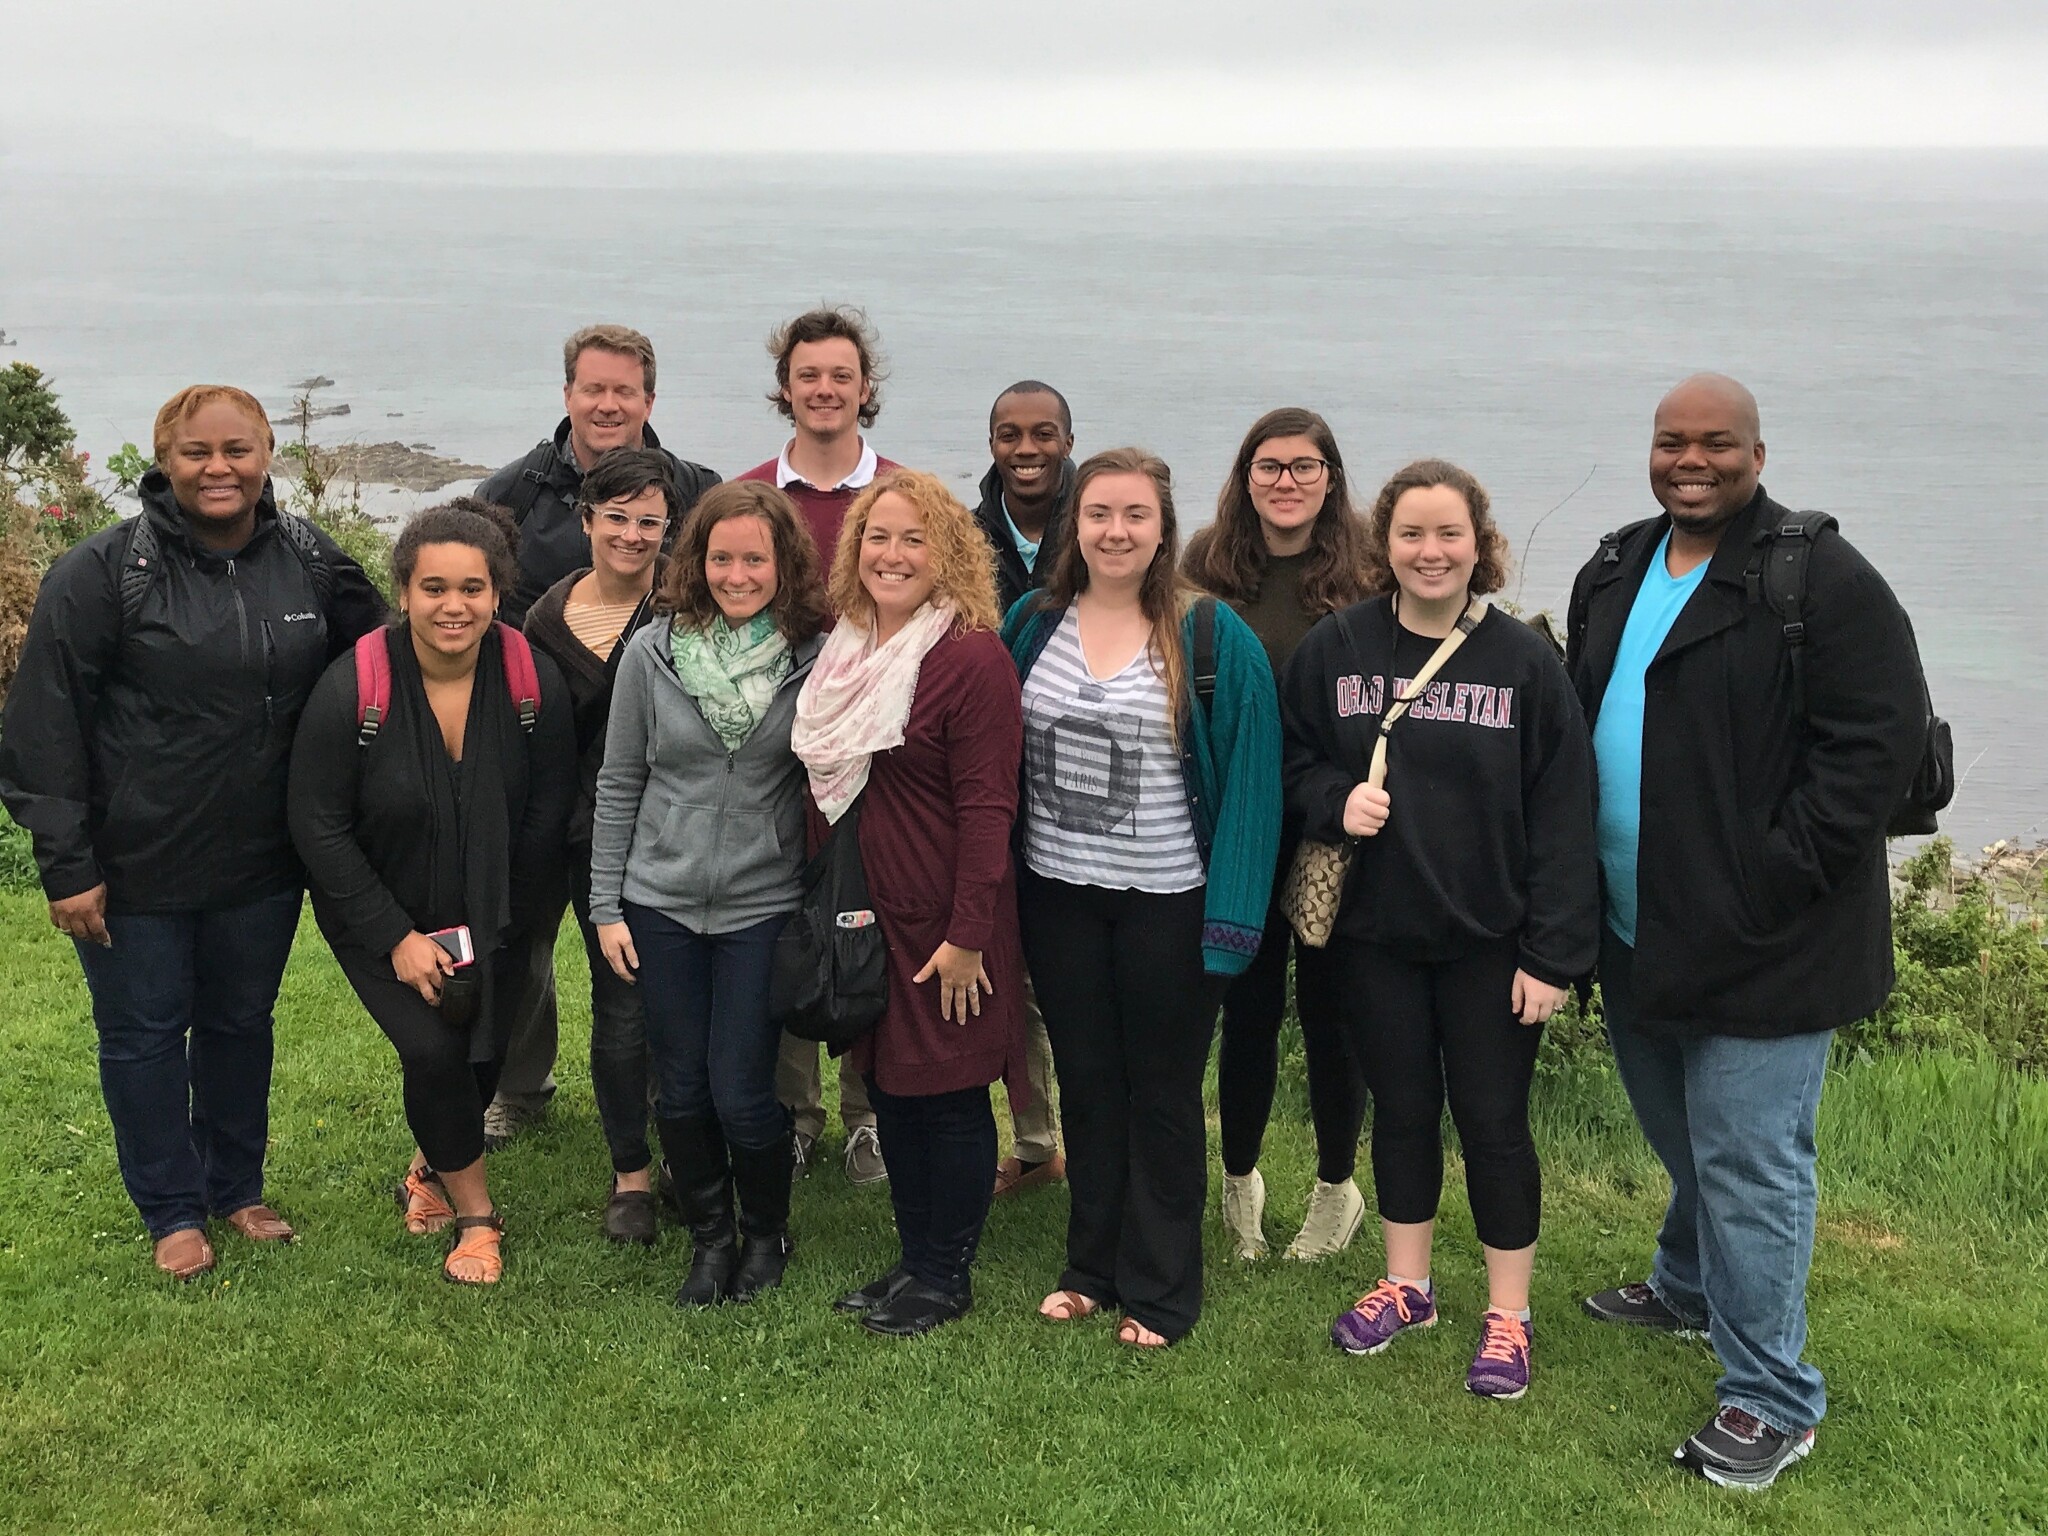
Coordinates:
<point>1036,1137</point>
<point>800,1085</point>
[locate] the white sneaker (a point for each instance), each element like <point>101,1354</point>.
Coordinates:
<point>1335,1212</point>
<point>1244,1209</point>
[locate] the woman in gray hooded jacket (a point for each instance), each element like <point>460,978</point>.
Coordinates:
<point>697,850</point>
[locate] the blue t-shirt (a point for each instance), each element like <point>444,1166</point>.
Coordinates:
<point>1618,733</point>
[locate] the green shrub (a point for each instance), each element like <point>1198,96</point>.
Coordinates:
<point>17,858</point>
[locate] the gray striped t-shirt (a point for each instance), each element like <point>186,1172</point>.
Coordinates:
<point>1106,805</point>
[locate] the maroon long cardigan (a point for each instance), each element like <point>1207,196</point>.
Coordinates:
<point>935,840</point>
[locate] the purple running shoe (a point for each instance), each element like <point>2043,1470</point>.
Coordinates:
<point>1501,1368</point>
<point>1382,1312</point>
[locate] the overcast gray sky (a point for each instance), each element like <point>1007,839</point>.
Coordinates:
<point>1056,75</point>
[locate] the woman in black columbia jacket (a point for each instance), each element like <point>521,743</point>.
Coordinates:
<point>144,746</point>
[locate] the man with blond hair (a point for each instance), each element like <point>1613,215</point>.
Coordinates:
<point>608,394</point>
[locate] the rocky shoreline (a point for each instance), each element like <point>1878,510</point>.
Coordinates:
<point>410,466</point>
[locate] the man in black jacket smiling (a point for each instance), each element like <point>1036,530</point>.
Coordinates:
<point>1743,804</point>
<point>608,394</point>
<point>144,746</point>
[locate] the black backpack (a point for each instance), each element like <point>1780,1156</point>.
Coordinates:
<point>145,550</point>
<point>1776,576</point>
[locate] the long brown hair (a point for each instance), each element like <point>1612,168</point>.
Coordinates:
<point>1489,574</point>
<point>1163,596</point>
<point>962,565</point>
<point>1228,557</point>
<point>798,606</point>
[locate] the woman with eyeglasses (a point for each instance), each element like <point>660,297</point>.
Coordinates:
<point>1287,548</point>
<point>627,503</point>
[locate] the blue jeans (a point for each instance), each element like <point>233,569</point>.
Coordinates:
<point>182,1002</point>
<point>706,998</point>
<point>1732,1121</point>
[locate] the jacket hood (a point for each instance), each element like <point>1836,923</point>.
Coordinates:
<point>160,506</point>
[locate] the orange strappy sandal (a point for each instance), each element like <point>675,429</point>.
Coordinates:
<point>1134,1333</point>
<point>476,1247</point>
<point>1068,1306</point>
<point>423,1202</point>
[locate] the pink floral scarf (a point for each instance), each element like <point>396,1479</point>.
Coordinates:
<point>856,702</point>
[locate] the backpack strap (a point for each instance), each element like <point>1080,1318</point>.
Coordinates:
<point>522,678</point>
<point>1202,674</point>
<point>373,683</point>
<point>535,470</point>
<point>1776,576</point>
<point>305,543</point>
<point>138,568</point>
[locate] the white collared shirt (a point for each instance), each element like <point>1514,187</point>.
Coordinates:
<point>863,472</point>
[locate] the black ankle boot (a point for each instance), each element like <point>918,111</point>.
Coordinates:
<point>762,1177</point>
<point>695,1148</point>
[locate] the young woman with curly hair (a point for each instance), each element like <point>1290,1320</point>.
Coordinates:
<point>697,850</point>
<point>1152,817</point>
<point>911,710</point>
<point>1287,548</point>
<point>1471,903</point>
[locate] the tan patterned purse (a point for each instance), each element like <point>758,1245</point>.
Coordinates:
<point>1315,880</point>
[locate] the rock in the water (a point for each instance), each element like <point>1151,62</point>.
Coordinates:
<point>414,467</point>
<point>318,381</point>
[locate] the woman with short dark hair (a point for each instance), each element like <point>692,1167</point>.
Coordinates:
<point>144,747</point>
<point>432,781</point>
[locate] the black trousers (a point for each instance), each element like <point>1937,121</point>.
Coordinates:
<point>1248,1065</point>
<point>1426,1031</point>
<point>445,1092</point>
<point>1130,1013</point>
<point>939,1148</point>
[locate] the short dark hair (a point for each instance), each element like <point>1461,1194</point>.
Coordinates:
<point>623,473</point>
<point>842,322</point>
<point>1033,387</point>
<point>482,525</point>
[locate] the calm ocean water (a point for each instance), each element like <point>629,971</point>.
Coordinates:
<point>1890,312</point>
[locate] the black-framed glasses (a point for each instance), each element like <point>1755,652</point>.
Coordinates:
<point>1300,471</point>
<point>617,523</point>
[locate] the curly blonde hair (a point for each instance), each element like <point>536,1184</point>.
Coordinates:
<point>963,566</point>
<point>1489,573</point>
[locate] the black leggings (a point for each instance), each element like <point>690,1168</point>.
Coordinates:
<point>1129,1010</point>
<point>445,1092</point>
<point>1421,1030</point>
<point>1248,1065</point>
<point>939,1148</point>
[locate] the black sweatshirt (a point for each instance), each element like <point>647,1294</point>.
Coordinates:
<point>1490,775</point>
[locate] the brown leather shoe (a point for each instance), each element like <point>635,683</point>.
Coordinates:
<point>260,1224</point>
<point>1014,1174</point>
<point>185,1254</point>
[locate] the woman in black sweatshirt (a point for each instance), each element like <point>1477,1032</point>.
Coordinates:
<point>430,808</point>
<point>1471,902</point>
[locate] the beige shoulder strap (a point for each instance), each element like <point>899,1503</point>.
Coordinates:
<point>1467,622</point>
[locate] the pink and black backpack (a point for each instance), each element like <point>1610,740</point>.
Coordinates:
<point>373,679</point>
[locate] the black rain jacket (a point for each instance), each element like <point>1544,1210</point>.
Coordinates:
<point>1012,579</point>
<point>1764,907</point>
<point>153,756</point>
<point>552,542</point>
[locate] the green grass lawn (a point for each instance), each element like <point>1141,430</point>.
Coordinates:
<point>341,1386</point>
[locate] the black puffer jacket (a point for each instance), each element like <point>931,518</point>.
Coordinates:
<point>152,755</point>
<point>1763,906</point>
<point>1012,580</point>
<point>541,489</point>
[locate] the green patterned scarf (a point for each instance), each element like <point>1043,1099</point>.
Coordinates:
<point>731,673</point>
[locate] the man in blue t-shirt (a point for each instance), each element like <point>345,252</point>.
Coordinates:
<point>1741,832</point>
<point>1023,516</point>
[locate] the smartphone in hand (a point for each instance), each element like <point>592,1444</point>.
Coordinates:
<point>457,942</point>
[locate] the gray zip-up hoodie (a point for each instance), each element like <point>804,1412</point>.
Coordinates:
<point>711,839</point>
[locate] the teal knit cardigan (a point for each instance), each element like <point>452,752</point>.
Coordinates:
<point>1230,765</point>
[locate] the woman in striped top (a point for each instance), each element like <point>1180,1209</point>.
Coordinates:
<point>1150,823</point>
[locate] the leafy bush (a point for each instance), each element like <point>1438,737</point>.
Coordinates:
<point>312,497</point>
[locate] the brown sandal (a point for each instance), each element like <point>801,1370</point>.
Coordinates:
<point>1068,1307</point>
<point>1132,1332</point>
<point>423,1202</point>
<point>476,1241</point>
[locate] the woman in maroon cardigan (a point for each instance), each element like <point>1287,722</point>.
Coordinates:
<point>912,708</point>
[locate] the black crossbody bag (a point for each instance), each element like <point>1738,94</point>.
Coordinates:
<point>830,981</point>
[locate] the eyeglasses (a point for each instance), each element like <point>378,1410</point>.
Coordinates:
<point>1301,471</point>
<point>618,522</point>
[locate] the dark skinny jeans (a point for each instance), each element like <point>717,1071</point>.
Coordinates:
<point>1424,1031</point>
<point>1248,1065</point>
<point>182,1002</point>
<point>620,1065</point>
<point>713,1047</point>
<point>939,1148</point>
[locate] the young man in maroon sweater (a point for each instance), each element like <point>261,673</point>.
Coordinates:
<point>826,377</point>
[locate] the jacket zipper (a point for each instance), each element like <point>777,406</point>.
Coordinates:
<point>242,625</point>
<point>269,675</point>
